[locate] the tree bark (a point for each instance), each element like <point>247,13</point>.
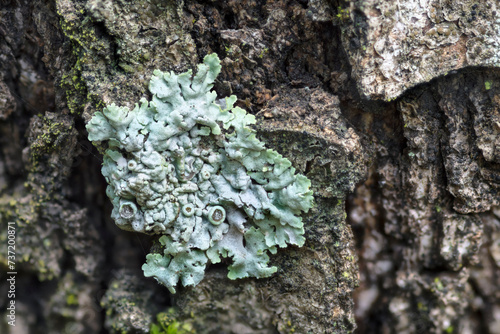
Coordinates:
<point>391,109</point>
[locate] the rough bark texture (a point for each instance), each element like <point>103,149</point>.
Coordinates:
<point>395,45</point>
<point>406,192</point>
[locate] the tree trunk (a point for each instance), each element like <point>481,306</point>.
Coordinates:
<point>391,109</point>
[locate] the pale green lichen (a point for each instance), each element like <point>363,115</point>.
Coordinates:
<point>182,166</point>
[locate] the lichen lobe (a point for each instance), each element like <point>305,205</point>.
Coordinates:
<point>182,166</point>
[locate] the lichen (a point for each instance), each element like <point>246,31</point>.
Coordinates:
<point>193,171</point>
<point>85,45</point>
<point>168,324</point>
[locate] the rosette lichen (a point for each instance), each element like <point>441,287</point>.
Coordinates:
<point>192,170</point>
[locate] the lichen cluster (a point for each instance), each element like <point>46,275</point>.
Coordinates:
<point>185,167</point>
